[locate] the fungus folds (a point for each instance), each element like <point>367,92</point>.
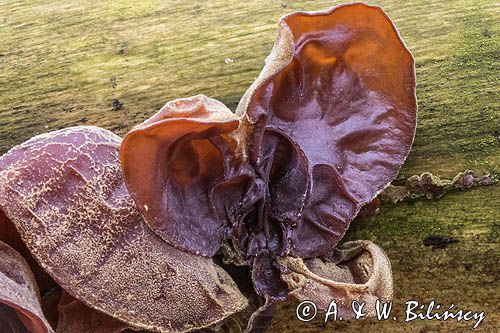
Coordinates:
<point>201,218</point>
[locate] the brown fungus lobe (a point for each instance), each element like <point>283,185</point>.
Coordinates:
<point>337,99</point>
<point>173,162</point>
<point>65,193</point>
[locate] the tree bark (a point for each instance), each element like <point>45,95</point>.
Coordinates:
<point>113,64</point>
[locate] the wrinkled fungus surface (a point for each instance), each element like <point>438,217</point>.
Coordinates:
<point>201,219</point>
<point>67,198</point>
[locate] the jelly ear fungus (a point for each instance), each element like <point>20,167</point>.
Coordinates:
<point>65,194</point>
<point>173,163</point>
<point>130,228</point>
<point>338,94</point>
<point>333,116</point>
<point>324,128</point>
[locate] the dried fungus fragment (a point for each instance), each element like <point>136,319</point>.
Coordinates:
<point>65,193</point>
<point>359,270</point>
<point>432,186</point>
<point>20,310</point>
<point>333,116</point>
<point>427,185</point>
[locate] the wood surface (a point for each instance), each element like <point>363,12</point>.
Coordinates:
<point>66,63</point>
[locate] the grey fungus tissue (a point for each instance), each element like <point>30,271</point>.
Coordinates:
<point>202,219</point>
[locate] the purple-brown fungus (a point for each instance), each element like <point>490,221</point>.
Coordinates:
<point>334,114</point>
<point>322,131</point>
<point>202,219</point>
<point>172,164</point>
<point>65,194</point>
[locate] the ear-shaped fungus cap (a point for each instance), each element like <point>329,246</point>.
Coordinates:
<point>20,309</point>
<point>171,164</point>
<point>65,194</point>
<point>337,98</point>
